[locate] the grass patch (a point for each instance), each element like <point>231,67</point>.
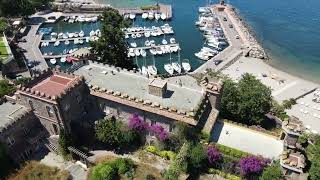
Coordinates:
<point>35,171</point>
<point>3,49</point>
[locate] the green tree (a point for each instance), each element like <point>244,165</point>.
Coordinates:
<point>246,101</point>
<point>111,46</point>
<point>65,141</point>
<point>103,172</point>
<point>16,8</point>
<point>109,132</point>
<point>313,150</point>
<point>6,164</point>
<point>272,172</point>
<point>40,3</point>
<point>3,26</point>
<point>6,88</point>
<point>314,171</point>
<point>197,157</point>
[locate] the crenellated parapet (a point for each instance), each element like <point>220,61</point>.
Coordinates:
<point>16,119</point>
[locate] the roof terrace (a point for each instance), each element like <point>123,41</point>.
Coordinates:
<point>10,113</point>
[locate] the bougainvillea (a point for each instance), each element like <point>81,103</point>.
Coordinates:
<point>159,131</point>
<point>213,154</point>
<point>137,124</point>
<point>252,165</point>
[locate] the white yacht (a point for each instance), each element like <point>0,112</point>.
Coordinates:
<point>71,35</point>
<point>126,36</point>
<point>65,36</point>
<point>172,40</point>
<point>150,15</point>
<point>57,43</point>
<point>138,35</point>
<point>163,16</point>
<point>53,61</point>
<point>176,66</point>
<point>147,34</point>
<point>133,44</point>
<point>144,70</point>
<point>159,51</point>
<point>147,43</point>
<point>131,53</point>
<point>67,42</point>
<point>63,59</point>
<point>152,70</point>
<point>153,51</point>
<point>186,65</point>
<point>132,16</point>
<point>164,41</point>
<point>157,16</point>
<point>137,52</point>
<point>144,15</point>
<point>168,67</point>
<point>133,36</point>
<point>81,33</point>
<point>92,33</point>
<point>76,35</point>
<point>143,53</point>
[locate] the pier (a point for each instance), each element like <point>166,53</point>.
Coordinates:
<point>61,40</point>
<point>157,46</point>
<point>163,8</point>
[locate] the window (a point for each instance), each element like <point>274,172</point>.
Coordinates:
<point>31,105</point>
<point>50,111</point>
<point>10,141</point>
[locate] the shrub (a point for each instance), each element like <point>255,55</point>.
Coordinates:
<point>152,149</point>
<point>103,172</point>
<point>223,174</point>
<point>123,165</point>
<point>213,155</point>
<point>164,154</point>
<point>252,165</point>
<point>150,177</point>
<point>6,88</point>
<point>231,151</point>
<point>272,172</point>
<point>159,131</point>
<point>137,124</point>
<point>197,156</point>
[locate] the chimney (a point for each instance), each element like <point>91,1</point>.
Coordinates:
<point>157,87</point>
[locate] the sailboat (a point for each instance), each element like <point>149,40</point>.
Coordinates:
<point>144,69</point>
<point>152,68</point>
<point>143,53</point>
<point>168,67</point>
<point>163,16</point>
<point>144,15</point>
<point>67,42</point>
<point>157,16</point>
<point>132,16</point>
<point>176,65</point>
<point>150,15</point>
<point>186,65</point>
<point>81,33</point>
<point>53,61</point>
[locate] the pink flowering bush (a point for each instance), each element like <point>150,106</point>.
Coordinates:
<point>252,165</point>
<point>213,155</point>
<point>159,131</point>
<point>137,124</point>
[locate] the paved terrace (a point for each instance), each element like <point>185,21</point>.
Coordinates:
<point>9,112</point>
<point>183,98</point>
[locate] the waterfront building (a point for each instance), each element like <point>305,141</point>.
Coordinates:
<point>55,100</point>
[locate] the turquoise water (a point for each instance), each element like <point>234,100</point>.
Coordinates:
<point>289,30</point>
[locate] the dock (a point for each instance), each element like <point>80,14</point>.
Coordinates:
<point>157,46</point>
<point>163,8</point>
<point>61,40</point>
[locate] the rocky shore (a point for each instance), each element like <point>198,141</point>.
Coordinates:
<point>255,48</point>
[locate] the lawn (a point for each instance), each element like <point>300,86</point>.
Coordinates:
<point>36,171</point>
<point>3,50</point>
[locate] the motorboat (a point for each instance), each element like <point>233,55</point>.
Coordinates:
<point>164,41</point>
<point>144,70</point>
<point>138,35</point>
<point>53,34</point>
<point>87,39</point>
<point>137,52</point>
<point>70,35</point>
<point>186,65</point>
<point>126,36</point>
<point>60,35</point>
<point>147,43</point>
<point>143,53</point>
<point>98,32</point>
<point>133,44</point>
<point>176,66</point>
<point>57,43</point>
<point>159,51</point>
<point>133,36</point>
<point>150,15</point>
<point>144,15</point>
<point>147,34</point>
<point>204,9</point>
<point>67,42</point>
<point>81,33</point>
<point>76,35</point>
<point>53,61</point>
<point>172,40</point>
<point>152,43</point>
<point>76,41</point>
<point>80,41</point>
<point>131,53</point>
<point>168,67</point>
<point>92,33</point>
<point>163,16</point>
<point>132,16</point>
<point>200,55</point>
<point>153,51</point>
<point>63,59</point>
<point>157,16</point>
<point>65,36</point>
<point>152,70</point>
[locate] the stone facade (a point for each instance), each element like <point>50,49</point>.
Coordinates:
<point>23,137</point>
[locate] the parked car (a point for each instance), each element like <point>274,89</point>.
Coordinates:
<point>225,19</point>
<point>237,37</point>
<point>230,26</point>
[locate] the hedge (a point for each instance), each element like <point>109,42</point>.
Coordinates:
<point>164,154</point>
<point>231,151</point>
<point>223,174</point>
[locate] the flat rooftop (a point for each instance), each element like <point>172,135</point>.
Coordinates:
<point>179,95</point>
<point>53,85</point>
<point>9,111</point>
